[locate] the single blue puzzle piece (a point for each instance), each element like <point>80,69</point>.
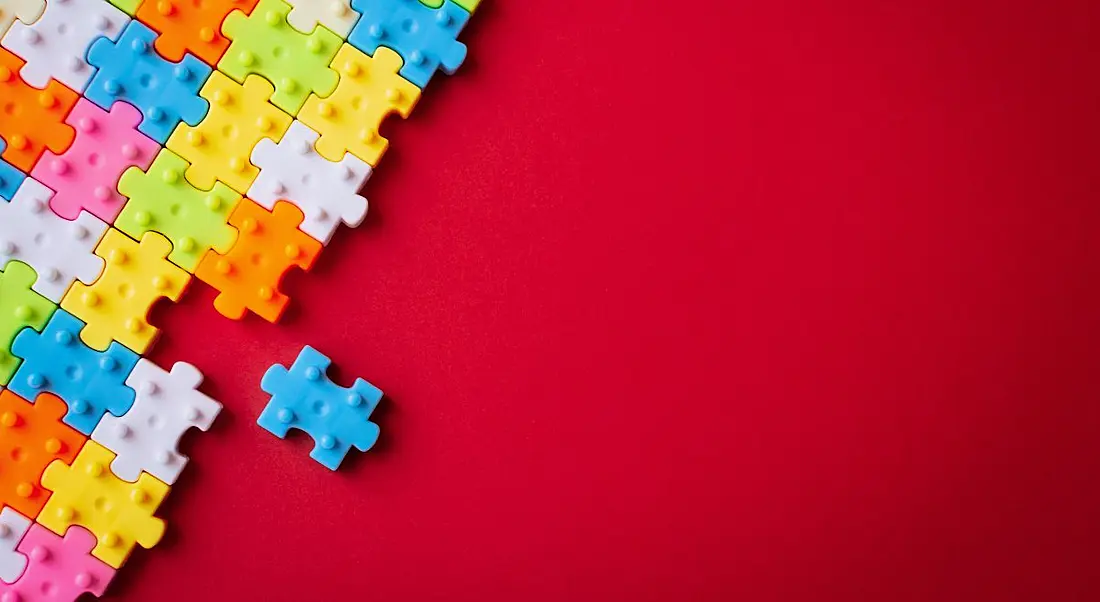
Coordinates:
<point>304,398</point>
<point>426,38</point>
<point>90,382</point>
<point>130,70</point>
<point>10,177</point>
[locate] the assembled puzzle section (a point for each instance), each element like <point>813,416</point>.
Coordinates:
<point>58,568</point>
<point>426,38</point>
<point>20,308</point>
<point>31,119</point>
<point>13,526</point>
<point>192,26</point>
<point>10,177</point>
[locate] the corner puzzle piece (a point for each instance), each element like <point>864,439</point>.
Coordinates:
<point>118,513</point>
<point>147,437</point>
<point>116,307</point>
<point>219,148</point>
<point>13,526</point>
<point>59,568</point>
<point>335,417</point>
<point>10,177</point>
<point>20,307</point>
<point>269,244</point>
<point>54,46</point>
<point>191,26</point>
<point>27,11</point>
<point>469,5</point>
<point>370,89</point>
<point>426,38</point>
<point>56,361</point>
<point>127,6</point>
<point>60,251</point>
<point>163,201</point>
<point>31,437</point>
<point>32,119</point>
<point>335,15</point>
<point>85,177</point>
<point>265,44</point>
<point>165,92</point>
<point>326,192</point>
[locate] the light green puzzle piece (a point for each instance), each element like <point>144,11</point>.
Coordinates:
<point>266,45</point>
<point>127,6</point>
<point>469,5</point>
<point>20,307</point>
<point>162,200</point>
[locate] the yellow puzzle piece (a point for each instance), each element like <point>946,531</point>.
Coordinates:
<point>117,512</point>
<point>116,306</point>
<point>369,90</point>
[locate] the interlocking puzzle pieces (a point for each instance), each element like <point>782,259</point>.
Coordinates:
<point>219,148</point>
<point>117,305</point>
<point>32,119</point>
<point>60,251</point>
<point>268,245</point>
<point>27,11</point>
<point>335,15</point>
<point>426,38</point>
<point>304,398</point>
<point>127,6</point>
<point>13,526</point>
<point>191,26</point>
<point>165,92</point>
<point>20,307</point>
<point>147,437</point>
<point>58,568</point>
<point>85,177</point>
<point>469,5</point>
<point>117,512</point>
<point>265,44</point>
<point>10,177</point>
<point>56,361</point>
<point>326,192</point>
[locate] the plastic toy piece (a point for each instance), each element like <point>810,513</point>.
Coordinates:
<point>147,437</point>
<point>31,119</point>
<point>27,11</point>
<point>426,38</point>
<point>60,251</point>
<point>91,382</point>
<point>10,177</point>
<point>221,146</point>
<point>370,90</point>
<point>247,278</point>
<point>305,399</point>
<point>143,274</point>
<point>31,437</point>
<point>118,513</point>
<point>165,92</point>
<point>335,15</point>
<point>469,5</point>
<point>54,46</point>
<point>59,569</point>
<point>13,526</point>
<point>85,177</point>
<point>191,26</point>
<point>265,44</point>
<point>325,192</point>
<point>20,307</point>
<point>127,6</point>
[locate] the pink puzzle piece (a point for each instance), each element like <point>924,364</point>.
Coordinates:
<point>86,176</point>
<point>58,569</point>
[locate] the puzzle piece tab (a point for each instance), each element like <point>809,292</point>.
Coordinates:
<point>20,307</point>
<point>31,437</point>
<point>13,526</point>
<point>191,26</point>
<point>426,38</point>
<point>31,119</point>
<point>334,15</point>
<point>58,568</point>
<point>10,177</point>
<point>27,11</point>
<point>335,417</point>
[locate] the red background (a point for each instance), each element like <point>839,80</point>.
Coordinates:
<point>783,300</point>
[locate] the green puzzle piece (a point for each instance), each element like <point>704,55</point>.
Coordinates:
<point>266,45</point>
<point>127,6</point>
<point>162,200</point>
<point>20,307</point>
<point>469,5</point>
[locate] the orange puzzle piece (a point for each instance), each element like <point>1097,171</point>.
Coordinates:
<point>193,26</point>
<point>32,119</point>
<point>31,437</point>
<point>269,244</point>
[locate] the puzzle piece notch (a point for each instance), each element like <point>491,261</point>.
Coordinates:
<point>26,11</point>
<point>304,398</point>
<point>32,119</point>
<point>335,15</point>
<point>20,307</point>
<point>58,568</point>
<point>10,177</point>
<point>13,526</point>
<point>426,38</point>
<point>187,26</point>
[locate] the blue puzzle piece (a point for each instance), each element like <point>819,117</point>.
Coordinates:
<point>90,382</point>
<point>10,177</point>
<point>426,38</point>
<point>130,70</point>
<point>304,398</point>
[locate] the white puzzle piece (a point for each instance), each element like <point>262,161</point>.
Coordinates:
<point>336,15</point>
<point>13,526</point>
<point>27,11</point>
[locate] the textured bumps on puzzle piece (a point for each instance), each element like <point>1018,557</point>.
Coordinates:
<point>32,119</point>
<point>10,177</point>
<point>191,26</point>
<point>13,526</point>
<point>27,11</point>
<point>20,307</point>
<point>304,398</point>
<point>426,38</point>
<point>165,92</point>
<point>90,382</point>
<point>58,568</point>
<point>334,15</point>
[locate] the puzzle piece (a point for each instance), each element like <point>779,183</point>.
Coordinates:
<point>426,38</point>
<point>85,177</point>
<point>31,119</point>
<point>13,526</point>
<point>469,5</point>
<point>59,569</point>
<point>116,306</point>
<point>56,361</point>
<point>335,15</point>
<point>10,177</point>
<point>20,307</point>
<point>127,6</point>
<point>269,244</point>
<point>27,11</point>
<point>350,119</point>
<point>221,146</point>
<point>54,46</point>
<point>335,417</point>
<point>325,192</point>
<point>60,251</point>
<point>265,44</point>
<point>118,513</point>
<point>191,26</point>
<point>130,70</point>
<point>31,437</point>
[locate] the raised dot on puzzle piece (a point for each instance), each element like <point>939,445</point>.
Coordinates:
<point>426,38</point>
<point>57,568</point>
<point>32,119</point>
<point>20,308</point>
<point>26,11</point>
<point>187,26</point>
<point>335,15</point>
